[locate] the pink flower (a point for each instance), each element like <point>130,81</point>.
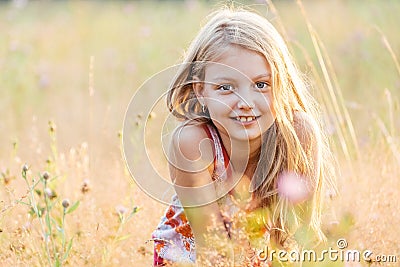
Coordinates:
<point>121,210</point>
<point>293,187</point>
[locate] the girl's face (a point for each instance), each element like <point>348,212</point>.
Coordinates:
<point>237,92</point>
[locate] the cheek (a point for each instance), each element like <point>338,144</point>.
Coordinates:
<point>267,104</point>
<point>218,109</point>
<point>218,105</point>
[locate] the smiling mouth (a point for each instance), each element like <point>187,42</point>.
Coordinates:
<point>246,118</point>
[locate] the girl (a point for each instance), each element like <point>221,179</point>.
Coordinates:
<point>239,88</point>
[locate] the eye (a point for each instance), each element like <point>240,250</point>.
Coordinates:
<point>225,87</point>
<point>262,85</point>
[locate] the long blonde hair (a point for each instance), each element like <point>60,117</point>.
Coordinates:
<point>282,149</point>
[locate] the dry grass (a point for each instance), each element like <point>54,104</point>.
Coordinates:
<point>78,63</point>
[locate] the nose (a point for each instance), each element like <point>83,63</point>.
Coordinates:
<point>245,102</point>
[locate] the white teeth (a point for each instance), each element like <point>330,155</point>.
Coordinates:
<point>245,119</point>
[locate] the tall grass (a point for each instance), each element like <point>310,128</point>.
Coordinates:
<point>76,64</point>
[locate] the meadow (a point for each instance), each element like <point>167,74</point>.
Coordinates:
<point>68,70</point>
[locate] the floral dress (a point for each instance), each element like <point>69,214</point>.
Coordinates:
<point>173,237</point>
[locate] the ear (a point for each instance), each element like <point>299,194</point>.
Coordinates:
<point>198,87</point>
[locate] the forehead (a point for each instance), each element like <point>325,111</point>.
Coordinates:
<point>238,61</point>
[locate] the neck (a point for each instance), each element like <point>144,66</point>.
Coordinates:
<point>242,154</point>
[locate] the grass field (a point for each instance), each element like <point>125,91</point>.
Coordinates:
<point>69,69</point>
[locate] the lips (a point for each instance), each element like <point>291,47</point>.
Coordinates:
<point>245,119</point>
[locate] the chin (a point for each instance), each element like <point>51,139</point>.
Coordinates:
<point>246,136</point>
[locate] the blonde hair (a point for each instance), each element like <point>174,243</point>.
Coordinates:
<point>282,149</point>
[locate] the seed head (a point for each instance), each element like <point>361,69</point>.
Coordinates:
<point>25,168</point>
<point>46,175</point>
<point>6,176</point>
<point>85,186</point>
<point>65,203</point>
<point>52,127</point>
<point>6,179</point>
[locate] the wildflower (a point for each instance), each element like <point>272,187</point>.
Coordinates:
<point>49,193</point>
<point>293,187</point>
<point>65,203</point>
<point>25,168</point>
<point>85,186</point>
<point>46,175</point>
<point>121,210</point>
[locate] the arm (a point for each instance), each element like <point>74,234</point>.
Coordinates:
<point>191,165</point>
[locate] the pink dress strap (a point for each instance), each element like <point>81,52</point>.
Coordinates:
<point>173,237</point>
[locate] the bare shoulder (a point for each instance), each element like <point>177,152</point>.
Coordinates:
<point>306,128</point>
<point>187,139</point>
<point>191,149</point>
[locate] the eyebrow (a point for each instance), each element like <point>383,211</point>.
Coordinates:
<point>223,78</point>
<point>264,75</point>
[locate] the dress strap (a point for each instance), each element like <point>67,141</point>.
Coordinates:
<point>221,158</point>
